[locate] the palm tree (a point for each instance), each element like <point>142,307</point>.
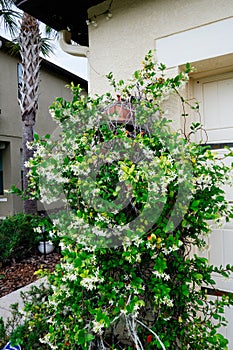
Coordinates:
<point>9,16</point>
<point>30,44</point>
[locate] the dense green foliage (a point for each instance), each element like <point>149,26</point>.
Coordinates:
<point>17,237</point>
<point>137,200</point>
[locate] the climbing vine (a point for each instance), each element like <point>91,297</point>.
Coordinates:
<point>132,201</point>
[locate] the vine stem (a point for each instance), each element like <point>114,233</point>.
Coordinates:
<point>156,336</point>
<point>130,324</point>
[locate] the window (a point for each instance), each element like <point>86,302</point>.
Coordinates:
<point>19,79</point>
<point>21,167</point>
<point>1,173</point>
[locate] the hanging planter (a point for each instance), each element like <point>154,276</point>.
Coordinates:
<point>120,111</point>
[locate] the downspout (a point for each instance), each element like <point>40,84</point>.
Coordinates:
<point>68,47</point>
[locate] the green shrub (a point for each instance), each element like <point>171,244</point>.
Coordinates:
<point>33,299</point>
<point>136,203</point>
<point>17,237</point>
<point>3,333</point>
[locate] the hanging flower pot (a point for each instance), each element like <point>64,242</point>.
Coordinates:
<point>120,111</point>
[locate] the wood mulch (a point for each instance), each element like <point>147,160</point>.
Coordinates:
<point>16,275</point>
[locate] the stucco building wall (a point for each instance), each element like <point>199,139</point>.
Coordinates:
<point>119,45</point>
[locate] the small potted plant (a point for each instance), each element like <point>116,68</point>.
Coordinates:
<point>45,247</point>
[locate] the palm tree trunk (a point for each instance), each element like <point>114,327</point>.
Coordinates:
<point>30,45</point>
<point>29,205</point>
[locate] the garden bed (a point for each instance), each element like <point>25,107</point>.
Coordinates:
<point>16,275</point>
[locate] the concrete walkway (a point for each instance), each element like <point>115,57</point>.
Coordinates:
<point>13,298</point>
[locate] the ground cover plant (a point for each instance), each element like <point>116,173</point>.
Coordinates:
<point>129,198</point>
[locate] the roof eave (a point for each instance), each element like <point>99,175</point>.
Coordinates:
<point>70,14</point>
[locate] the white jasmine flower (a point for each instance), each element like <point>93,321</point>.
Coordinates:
<point>98,327</point>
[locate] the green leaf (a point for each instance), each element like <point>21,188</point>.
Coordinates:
<point>188,67</point>
<point>136,74</point>
<point>36,137</point>
<point>198,276</point>
<point>89,337</point>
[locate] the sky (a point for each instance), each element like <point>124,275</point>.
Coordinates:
<point>76,65</point>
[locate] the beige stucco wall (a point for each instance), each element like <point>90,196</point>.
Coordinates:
<point>119,45</point>
<point>52,85</point>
